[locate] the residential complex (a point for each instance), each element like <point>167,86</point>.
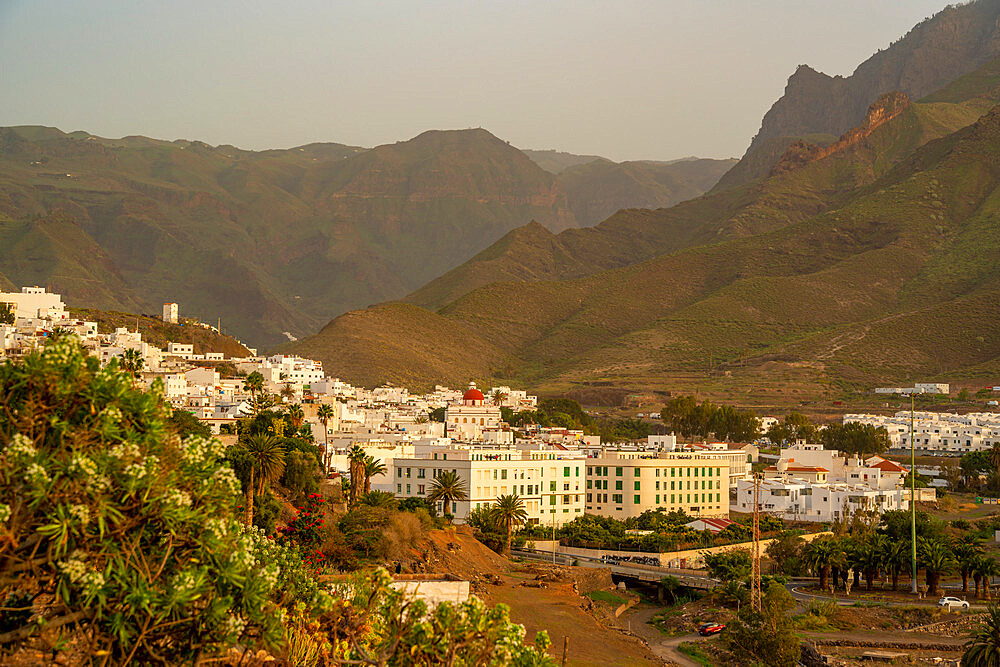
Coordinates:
<point>809,483</point>
<point>937,431</point>
<point>626,484</point>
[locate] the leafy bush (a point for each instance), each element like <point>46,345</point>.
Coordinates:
<point>132,530</point>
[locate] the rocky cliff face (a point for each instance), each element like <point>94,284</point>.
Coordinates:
<point>953,42</point>
<point>802,152</point>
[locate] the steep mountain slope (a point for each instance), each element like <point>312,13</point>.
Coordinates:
<point>953,42</point>
<point>598,189</point>
<point>894,227</point>
<point>271,241</point>
<point>632,236</point>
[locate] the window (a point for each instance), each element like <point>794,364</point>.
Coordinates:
<point>618,485</point>
<point>696,472</point>
<point>617,497</point>
<point>407,488</point>
<point>589,483</point>
<point>618,472</point>
<point>636,485</point>
<point>407,473</point>
<point>552,486</point>
<point>672,473</point>
<point>590,470</point>
<point>717,498</point>
<point>657,472</point>
<point>503,474</point>
<point>399,488</point>
<point>657,499</point>
<point>578,471</point>
<point>671,486</point>
<point>421,473</point>
<point>566,500</point>
<point>420,489</point>
<point>588,497</point>
<point>399,472</point>
<point>637,472</point>
<point>565,472</point>
<point>552,500</point>
<point>657,485</point>
<point>671,499</point>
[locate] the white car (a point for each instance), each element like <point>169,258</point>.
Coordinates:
<point>953,603</point>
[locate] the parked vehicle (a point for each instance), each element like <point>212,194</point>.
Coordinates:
<point>708,629</point>
<point>953,603</point>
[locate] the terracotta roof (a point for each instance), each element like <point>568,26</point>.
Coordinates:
<point>887,466</point>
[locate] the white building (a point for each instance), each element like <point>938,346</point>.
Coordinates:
<point>937,431</point>
<point>549,483</point>
<point>35,303</point>
<point>626,484</point>
<point>798,499</point>
<point>170,313</point>
<point>468,420</point>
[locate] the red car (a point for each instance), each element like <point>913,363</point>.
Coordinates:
<point>708,629</point>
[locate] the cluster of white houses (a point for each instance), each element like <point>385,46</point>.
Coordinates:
<point>559,473</point>
<point>937,431</point>
<point>809,483</point>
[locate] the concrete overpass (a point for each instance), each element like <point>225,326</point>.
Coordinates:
<point>646,574</point>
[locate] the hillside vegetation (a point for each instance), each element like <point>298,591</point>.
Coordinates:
<point>271,241</point>
<point>876,262</point>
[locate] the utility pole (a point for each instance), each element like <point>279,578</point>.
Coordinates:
<point>913,503</point>
<point>755,574</point>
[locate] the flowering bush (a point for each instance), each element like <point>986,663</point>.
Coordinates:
<point>132,529</point>
<point>307,526</point>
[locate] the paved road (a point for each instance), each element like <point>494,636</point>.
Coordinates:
<point>665,648</point>
<point>797,589</point>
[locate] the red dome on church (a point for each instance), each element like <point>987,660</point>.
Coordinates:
<point>473,394</point>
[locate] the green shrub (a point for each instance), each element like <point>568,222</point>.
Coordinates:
<point>132,530</point>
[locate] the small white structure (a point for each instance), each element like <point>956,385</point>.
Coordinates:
<point>35,303</point>
<point>170,313</point>
<point>468,421</point>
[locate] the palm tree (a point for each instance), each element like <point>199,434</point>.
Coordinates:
<point>508,512</point>
<point>985,568</point>
<point>382,499</point>
<point>498,397</point>
<point>937,559</point>
<point>995,457</point>
<point>267,462</point>
<point>254,383</point>
<point>373,467</point>
<point>896,557</point>
<point>821,555</point>
<point>967,552</point>
<point>295,416</point>
<point>132,363</point>
<point>325,414</point>
<point>983,647</point>
<point>356,455</point>
<point>870,556</point>
<point>448,488</point>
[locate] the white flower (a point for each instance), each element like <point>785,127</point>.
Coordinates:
<point>76,570</point>
<point>270,575</point>
<point>4,513</point>
<point>185,582</point>
<point>125,450</point>
<point>135,472</point>
<point>225,476</point>
<point>233,625</point>
<point>37,475</point>
<point>83,466</point>
<point>218,526</point>
<point>81,513</point>
<point>99,482</point>
<point>177,498</point>
<point>20,447</point>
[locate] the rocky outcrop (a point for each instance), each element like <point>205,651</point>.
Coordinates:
<point>801,152</point>
<point>953,42</point>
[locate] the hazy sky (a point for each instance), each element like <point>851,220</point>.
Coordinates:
<point>627,80</point>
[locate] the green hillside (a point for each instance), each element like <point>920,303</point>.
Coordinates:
<point>852,269</point>
<point>272,241</point>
